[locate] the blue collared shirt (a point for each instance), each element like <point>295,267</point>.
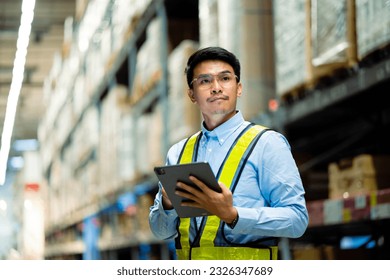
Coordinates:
<point>269,196</point>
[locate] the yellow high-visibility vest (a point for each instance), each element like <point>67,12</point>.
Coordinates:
<point>229,174</point>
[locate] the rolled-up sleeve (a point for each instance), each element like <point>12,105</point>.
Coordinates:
<point>162,222</point>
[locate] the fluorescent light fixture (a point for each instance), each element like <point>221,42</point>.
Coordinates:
<point>16,84</point>
<point>25,145</point>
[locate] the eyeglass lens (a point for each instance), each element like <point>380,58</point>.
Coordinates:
<point>224,80</point>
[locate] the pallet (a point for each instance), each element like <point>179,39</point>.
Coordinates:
<point>325,77</point>
<point>331,74</point>
<point>294,94</point>
<point>375,56</point>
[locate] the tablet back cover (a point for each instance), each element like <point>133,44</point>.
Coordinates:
<point>169,176</point>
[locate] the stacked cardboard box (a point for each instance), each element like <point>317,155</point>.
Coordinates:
<point>380,204</point>
<point>357,208</point>
<point>360,175</point>
<point>148,142</point>
<point>116,152</point>
<point>374,205</point>
<point>148,69</point>
<point>316,212</point>
<point>311,252</point>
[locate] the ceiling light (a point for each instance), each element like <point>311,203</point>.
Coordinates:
<point>16,84</point>
<point>24,145</point>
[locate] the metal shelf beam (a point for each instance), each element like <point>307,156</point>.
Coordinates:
<point>319,100</point>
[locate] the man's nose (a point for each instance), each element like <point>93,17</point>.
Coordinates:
<point>215,86</point>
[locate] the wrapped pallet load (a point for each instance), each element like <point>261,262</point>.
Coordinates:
<point>331,29</point>
<point>291,61</point>
<point>245,28</point>
<point>315,43</point>
<point>184,116</point>
<point>372,26</point>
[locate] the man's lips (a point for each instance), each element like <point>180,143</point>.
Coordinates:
<point>219,97</point>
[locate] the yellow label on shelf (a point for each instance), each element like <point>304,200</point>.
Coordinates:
<point>347,216</point>
<point>373,198</point>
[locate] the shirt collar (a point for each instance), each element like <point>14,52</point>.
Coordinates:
<point>223,131</point>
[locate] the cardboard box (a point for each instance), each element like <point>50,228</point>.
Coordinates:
<point>311,252</point>
<point>333,211</point>
<point>359,175</point>
<point>316,212</point>
<point>380,204</point>
<point>357,208</point>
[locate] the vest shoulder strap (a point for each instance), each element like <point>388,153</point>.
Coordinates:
<point>188,152</point>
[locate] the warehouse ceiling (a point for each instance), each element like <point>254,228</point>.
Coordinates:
<point>46,38</point>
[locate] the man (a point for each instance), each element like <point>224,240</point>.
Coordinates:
<point>263,201</point>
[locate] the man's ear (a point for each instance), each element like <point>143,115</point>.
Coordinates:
<point>239,89</point>
<point>191,95</point>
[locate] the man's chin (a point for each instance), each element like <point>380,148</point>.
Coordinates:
<point>222,112</point>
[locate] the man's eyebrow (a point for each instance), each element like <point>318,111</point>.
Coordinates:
<point>209,74</point>
<point>224,72</point>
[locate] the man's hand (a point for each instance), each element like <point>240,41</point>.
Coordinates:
<point>166,202</point>
<point>219,204</point>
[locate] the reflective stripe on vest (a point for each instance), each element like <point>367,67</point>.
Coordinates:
<point>228,174</point>
<point>229,253</point>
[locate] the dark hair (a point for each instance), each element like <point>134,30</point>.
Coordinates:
<point>211,53</point>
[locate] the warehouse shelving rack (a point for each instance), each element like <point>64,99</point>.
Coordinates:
<point>345,116</point>
<point>121,71</point>
<point>348,116</point>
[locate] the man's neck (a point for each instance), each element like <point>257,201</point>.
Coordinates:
<point>216,120</point>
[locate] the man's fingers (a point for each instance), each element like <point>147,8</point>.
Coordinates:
<point>200,184</point>
<point>187,191</point>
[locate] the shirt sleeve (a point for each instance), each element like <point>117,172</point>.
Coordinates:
<point>163,222</point>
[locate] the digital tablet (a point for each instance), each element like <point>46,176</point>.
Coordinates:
<point>171,174</point>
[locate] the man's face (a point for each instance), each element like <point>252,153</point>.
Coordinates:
<point>215,88</point>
